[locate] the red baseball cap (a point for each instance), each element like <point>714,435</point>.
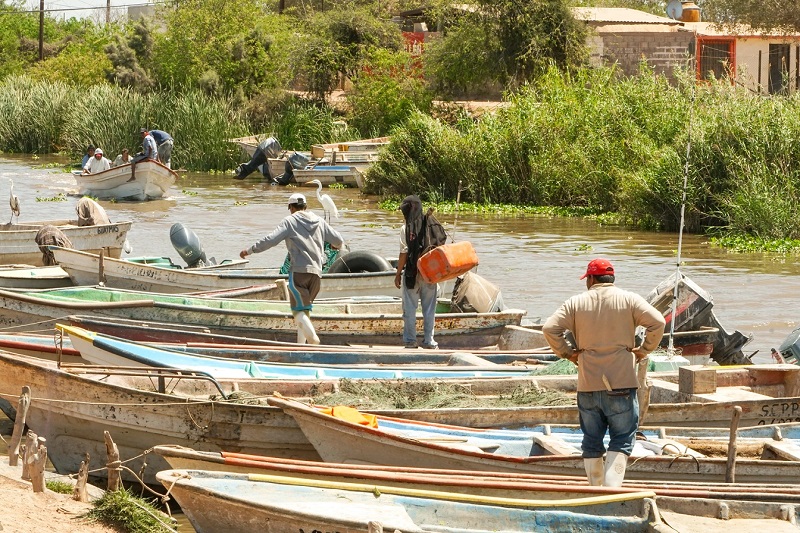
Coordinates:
<point>599,267</point>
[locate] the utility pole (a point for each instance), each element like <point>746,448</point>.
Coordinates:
<point>108,11</point>
<point>41,30</point>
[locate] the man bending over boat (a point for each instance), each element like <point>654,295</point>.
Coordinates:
<point>603,321</point>
<point>305,234</point>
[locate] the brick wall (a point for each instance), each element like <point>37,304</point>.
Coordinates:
<point>662,50</point>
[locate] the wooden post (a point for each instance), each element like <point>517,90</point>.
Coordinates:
<point>730,470</point>
<point>374,527</point>
<point>643,394</point>
<point>101,268</point>
<point>79,492</point>
<point>19,425</point>
<point>113,462</point>
<point>30,451</point>
<point>38,461</point>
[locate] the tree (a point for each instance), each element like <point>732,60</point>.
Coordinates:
<point>774,15</point>
<point>508,41</point>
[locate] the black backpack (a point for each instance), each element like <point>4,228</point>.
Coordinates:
<point>435,235</point>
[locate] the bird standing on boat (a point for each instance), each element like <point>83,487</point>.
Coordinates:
<point>13,201</point>
<point>328,206</point>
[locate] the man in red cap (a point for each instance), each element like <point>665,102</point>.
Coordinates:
<point>603,321</point>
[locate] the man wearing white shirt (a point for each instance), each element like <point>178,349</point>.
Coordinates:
<point>97,164</point>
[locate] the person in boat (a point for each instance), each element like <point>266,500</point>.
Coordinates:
<point>50,236</point>
<point>413,243</point>
<point>122,159</point>
<point>96,164</point>
<point>164,145</point>
<point>88,155</point>
<point>90,213</point>
<point>603,321</point>
<point>266,149</point>
<point>305,234</point>
<point>149,147</point>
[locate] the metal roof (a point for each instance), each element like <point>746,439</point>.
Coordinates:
<point>619,15</point>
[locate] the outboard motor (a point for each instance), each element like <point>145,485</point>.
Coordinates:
<point>188,246</point>
<point>266,149</point>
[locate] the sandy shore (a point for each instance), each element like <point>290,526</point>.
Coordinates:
<point>25,511</point>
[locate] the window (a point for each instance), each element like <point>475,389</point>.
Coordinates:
<point>716,58</point>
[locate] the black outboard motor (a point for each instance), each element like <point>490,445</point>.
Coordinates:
<point>268,148</point>
<point>188,246</point>
<point>294,162</point>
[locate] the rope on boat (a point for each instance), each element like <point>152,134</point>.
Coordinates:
<point>26,326</point>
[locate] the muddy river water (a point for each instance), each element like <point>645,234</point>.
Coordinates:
<point>536,261</point>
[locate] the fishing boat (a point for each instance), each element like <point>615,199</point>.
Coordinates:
<point>83,268</point>
<point>33,277</point>
<point>397,442</point>
<point>215,501</point>
<point>328,175</point>
<point>710,497</point>
<point>105,350</point>
<point>18,244</point>
<point>338,322</point>
<point>145,180</point>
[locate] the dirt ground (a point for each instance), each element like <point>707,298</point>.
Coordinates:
<point>49,512</point>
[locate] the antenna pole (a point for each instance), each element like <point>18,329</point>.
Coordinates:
<point>455,220</point>
<point>678,276</point>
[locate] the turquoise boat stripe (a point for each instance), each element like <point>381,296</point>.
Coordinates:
<point>297,297</point>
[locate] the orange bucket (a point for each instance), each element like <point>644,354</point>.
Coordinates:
<point>447,261</point>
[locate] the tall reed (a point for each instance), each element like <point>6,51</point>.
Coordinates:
<point>591,139</point>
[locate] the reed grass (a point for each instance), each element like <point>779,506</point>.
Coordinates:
<point>128,513</point>
<point>590,139</point>
<point>46,117</point>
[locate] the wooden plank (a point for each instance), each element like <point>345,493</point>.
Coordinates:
<point>785,450</point>
<point>697,380</point>
<point>555,445</point>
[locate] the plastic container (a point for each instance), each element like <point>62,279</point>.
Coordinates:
<point>447,262</point>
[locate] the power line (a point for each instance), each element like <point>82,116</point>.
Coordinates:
<point>59,10</point>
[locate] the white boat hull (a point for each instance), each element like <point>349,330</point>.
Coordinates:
<point>83,270</point>
<point>17,244</point>
<point>149,180</point>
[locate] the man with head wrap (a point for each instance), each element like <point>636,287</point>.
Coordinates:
<point>90,213</point>
<point>50,236</point>
<point>415,289</point>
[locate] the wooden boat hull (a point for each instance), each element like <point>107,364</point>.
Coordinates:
<point>18,245</point>
<point>28,277</point>
<point>339,441</point>
<point>499,484</point>
<point>149,180</point>
<point>235,502</point>
<point>265,320</point>
<point>83,270</point>
<point>328,175</point>
<point>111,351</point>
<point>71,411</point>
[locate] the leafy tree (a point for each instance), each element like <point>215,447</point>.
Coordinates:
<point>339,43</point>
<point>774,15</point>
<point>77,64</point>
<point>386,93</point>
<point>127,72</point>
<point>512,41</point>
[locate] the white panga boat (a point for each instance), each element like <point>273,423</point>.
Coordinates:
<point>145,180</point>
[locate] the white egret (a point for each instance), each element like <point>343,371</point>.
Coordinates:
<point>328,206</point>
<point>13,201</point>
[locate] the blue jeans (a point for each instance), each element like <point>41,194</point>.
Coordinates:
<point>600,411</point>
<point>425,292</point>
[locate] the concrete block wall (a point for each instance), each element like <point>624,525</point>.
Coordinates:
<point>663,51</point>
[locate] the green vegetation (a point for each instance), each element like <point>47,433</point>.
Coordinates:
<point>128,513</point>
<point>587,139</point>
<point>61,487</point>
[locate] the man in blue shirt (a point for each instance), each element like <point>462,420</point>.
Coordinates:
<point>164,143</point>
<point>149,147</point>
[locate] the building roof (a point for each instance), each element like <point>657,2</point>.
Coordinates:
<point>619,15</point>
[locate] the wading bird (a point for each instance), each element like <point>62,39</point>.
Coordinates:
<point>13,201</point>
<point>328,207</point>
